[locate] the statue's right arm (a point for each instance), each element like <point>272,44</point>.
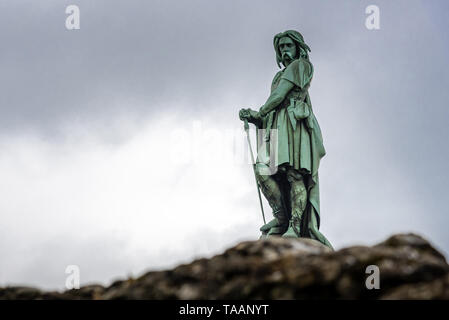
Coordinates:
<point>276,97</point>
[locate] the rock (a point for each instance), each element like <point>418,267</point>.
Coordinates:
<point>24,293</point>
<point>284,268</point>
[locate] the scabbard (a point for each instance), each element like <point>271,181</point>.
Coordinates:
<point>269,125</point>
<point>291,115</point>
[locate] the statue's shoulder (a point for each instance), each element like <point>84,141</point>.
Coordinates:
<point>276,77</point>
<point>299,72</point>
<point>301,64</point>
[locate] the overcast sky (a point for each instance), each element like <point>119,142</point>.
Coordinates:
<point>120,142</point>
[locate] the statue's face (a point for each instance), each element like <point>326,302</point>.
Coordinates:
<point>287,49</point>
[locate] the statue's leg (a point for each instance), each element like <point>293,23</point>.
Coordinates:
<point>272,193</point>
<point>298,198</point>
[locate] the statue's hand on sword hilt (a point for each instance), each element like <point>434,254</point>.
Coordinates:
<point>251,116</point>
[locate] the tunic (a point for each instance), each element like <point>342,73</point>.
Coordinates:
<point>300,147</point>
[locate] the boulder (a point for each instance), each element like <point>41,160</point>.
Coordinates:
<point>284,268</point>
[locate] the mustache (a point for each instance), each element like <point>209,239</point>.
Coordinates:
<point>287,55</point>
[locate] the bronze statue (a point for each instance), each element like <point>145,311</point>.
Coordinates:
<point>290,144</point>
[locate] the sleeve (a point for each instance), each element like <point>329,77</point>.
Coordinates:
<point>299,72</point>
<point>276,77</point>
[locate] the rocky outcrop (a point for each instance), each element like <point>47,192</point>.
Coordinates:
<point>278,268</point>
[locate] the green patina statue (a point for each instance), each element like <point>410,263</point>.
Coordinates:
<point>290,145</point>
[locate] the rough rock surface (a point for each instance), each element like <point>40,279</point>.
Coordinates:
<point>278,268</point>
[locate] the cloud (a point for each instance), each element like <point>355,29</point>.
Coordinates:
<point>87,203</point>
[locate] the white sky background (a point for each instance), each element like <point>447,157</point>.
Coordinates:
<point>90,124</point>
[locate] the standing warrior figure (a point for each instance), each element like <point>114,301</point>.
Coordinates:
<point>289,140</point>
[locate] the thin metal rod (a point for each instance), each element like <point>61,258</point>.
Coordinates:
<point>254,169</point>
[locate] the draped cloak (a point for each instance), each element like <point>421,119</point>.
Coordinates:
<point>300,148</point>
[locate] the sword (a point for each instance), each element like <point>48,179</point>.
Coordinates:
<point>246,126</point>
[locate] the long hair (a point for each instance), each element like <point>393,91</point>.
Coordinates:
<point>297,38</point>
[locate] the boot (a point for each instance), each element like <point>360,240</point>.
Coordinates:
<point>267,227</point>
<point>280,225</point>
<point>294,228</point>
<point>277,226</point>
<point>298,197</point>
<point>272,193</point>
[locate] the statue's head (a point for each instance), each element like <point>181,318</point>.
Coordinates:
<point>289,45</point>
